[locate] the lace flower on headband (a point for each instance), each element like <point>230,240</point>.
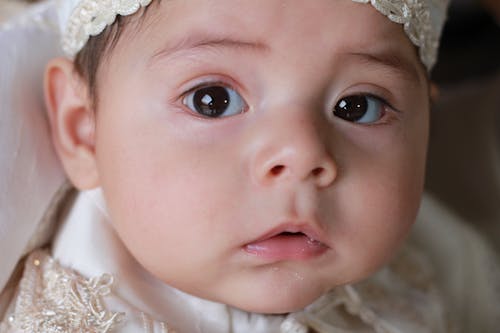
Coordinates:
<point>423,21</point>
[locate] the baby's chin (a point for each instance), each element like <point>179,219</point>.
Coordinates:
<point>278,303</point>
<point>280,306</point>
<point>272,297</point>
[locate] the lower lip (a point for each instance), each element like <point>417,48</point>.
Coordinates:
<point>287,247</point>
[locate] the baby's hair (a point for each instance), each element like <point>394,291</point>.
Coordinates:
<point>87,62</point>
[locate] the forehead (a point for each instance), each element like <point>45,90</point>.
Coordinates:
<point>337,27</point>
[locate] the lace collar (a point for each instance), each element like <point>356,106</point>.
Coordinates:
<point>53,297</point>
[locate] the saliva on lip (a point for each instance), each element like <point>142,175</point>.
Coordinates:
<point>310,240</point>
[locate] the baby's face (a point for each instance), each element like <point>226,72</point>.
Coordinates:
<point>260,153</point>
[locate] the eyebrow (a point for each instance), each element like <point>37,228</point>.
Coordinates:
<point>392,62</point>
<point>388,60</point>
<point>200,41</point>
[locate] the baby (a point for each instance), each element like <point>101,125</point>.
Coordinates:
<point>237,162</point>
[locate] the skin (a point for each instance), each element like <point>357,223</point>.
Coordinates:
<point>187,193</point>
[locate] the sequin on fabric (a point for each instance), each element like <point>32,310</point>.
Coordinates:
<point>53,299</point>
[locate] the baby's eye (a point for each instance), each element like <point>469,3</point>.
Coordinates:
<point>215,101</point>
<point>361,109</point>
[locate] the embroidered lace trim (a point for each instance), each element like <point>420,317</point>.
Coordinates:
<point>53,299</point>
<point>415,16</point>
<point>91,17</point>
<point>400,298</point>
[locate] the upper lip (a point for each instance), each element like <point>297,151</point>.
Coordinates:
<point>311,232</point>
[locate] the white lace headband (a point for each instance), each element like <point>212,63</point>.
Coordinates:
<point>423,21</point>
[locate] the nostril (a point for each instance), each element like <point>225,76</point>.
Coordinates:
<point>317,171</point>
<point>277,170</point>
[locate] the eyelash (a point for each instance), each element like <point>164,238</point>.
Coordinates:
<point>382,100</point>
<point>208,81</point>
<point>387,106</point>
<point>213,91</point>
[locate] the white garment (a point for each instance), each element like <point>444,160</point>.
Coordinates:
<point>466,267</point>
<point>400,298</point>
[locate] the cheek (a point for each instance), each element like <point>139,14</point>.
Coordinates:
<point>147,175</point>
<point>164,191</point>
<point>378,195</point>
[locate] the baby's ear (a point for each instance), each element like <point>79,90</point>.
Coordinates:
<point>434,92</point>
<point>72,122</point>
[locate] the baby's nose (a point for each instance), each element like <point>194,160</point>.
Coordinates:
<point>295,153</point>
<point>292,165</point>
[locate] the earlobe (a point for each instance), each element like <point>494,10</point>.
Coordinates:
<point>434,92</point>
<point>72,122</point>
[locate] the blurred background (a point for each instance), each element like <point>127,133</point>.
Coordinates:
<point>464,152</point>
<point>464,156</point>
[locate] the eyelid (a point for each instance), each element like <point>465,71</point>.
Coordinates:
<point>208,80</point>
<point>378,94</point>
<point>381,100</point>
<point>205,85</point>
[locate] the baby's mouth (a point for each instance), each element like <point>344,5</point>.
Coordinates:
<point>287,245</point>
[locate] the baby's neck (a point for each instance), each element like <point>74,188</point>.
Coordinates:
<point>88,243</point>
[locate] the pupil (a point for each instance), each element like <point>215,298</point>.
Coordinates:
<point>211,101</point>
<point>351,108</point>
